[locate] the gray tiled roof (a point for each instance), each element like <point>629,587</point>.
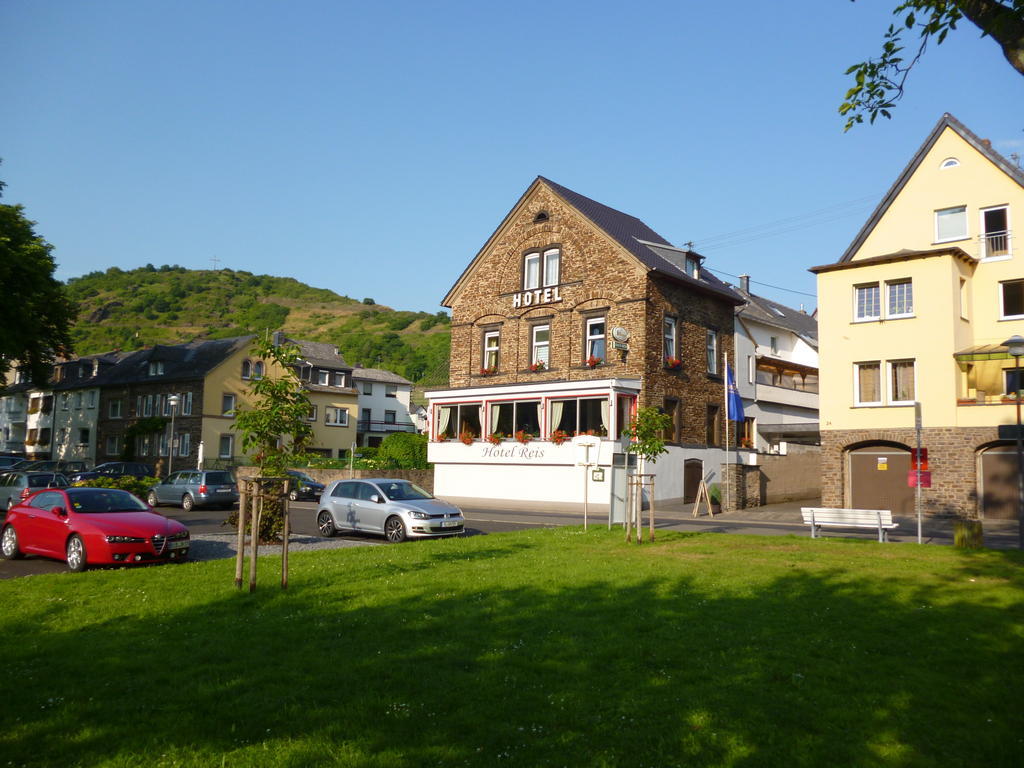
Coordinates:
<point>181,361</point>
<point>378,374</point>
<point>653,251</point>
<point>320,354</point>
<point>772,313</point>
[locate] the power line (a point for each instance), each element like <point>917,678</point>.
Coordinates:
<point>766,285</point>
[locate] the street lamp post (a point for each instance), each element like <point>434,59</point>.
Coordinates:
<point>1015,346</point>
<point>172,401</point>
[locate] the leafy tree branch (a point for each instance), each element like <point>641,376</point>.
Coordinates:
<point>880,82</point>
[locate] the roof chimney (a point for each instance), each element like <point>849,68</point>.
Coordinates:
<point>278,338</point>
<point>745,283</point>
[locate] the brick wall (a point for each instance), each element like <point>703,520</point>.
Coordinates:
<point>128,395</point>
<point>952,453</point>
<point>794,476</point>
<point>597,278</point>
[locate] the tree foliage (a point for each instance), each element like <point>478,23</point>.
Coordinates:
<point>879,82</point>
<point>35,316</point>
<point>404,450</point>
<point>647,432</point>
<point>275,428</point>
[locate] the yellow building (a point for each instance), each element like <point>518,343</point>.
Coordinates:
<point>916,310</point>
<point>325,376</point>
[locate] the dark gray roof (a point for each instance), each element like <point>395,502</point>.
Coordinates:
<point>653,251</point>
<point>320,354</point>
<point>181,361</point>
<point>772,313</point>
<point>378,374</point>
<point>946,121</point>
<point>72,380</point>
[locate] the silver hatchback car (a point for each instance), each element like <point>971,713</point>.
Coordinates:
<point>394,508</point>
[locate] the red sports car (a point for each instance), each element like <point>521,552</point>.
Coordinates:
<point>91,526</point>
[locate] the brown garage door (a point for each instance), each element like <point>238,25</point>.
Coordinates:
<point>693,471</point>
<point>999,482</point>
<point>878,479</point>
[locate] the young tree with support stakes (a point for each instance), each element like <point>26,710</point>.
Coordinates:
<point>646,433</point>
<point>275,431</point>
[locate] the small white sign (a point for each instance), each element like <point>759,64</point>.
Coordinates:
<point>586,447</point>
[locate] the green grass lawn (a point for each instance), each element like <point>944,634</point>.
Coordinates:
<point>540,648</point>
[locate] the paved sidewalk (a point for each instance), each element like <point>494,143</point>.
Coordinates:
<point>771,519</point>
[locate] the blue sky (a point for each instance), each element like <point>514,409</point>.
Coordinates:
<point>372,148</point>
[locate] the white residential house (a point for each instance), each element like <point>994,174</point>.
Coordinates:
<point>76,397</point>
<point>39,423</point>
<point>14,413</point>
<point>777,373</point>
<point>384,405</point>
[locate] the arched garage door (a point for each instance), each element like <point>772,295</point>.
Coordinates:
<point>998,482</point>
<point>878,479</point>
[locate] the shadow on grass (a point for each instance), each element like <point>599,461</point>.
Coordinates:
<point>806,668</point>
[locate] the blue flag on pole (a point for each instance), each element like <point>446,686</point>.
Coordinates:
<point>733,399</point>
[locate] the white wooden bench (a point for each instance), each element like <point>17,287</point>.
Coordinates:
<point>820,517</point>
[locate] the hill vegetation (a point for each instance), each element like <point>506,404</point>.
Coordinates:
<point>130,309</point>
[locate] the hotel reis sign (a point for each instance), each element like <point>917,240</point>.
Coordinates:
<point>535,297</point>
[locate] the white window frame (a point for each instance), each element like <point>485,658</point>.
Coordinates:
<point>983,233</point>
<point>156,367</point>
<point>712,350</point>
<point>536,346</point>
<point>669,337</point>
<point>65,401</point>
<point>866,318</point>
<point>246,369</point>
<point>531,282</point>
<point>955,238</point>
<point>312,413</point>
<point>492,349</point>
<point>1002,300</point>
<point>552,256</point>
<point>338,379</point>
<point>335,416</point>
<point>147,405</point>
<point>773,344</point>
<point>949,162</point>
<point>891,381</point>
<point>592,338</point>
<point>323,378</point>
<point>856,383</point>
<point>258,369</point>
<point>224,400</point>
<point>889,285</point>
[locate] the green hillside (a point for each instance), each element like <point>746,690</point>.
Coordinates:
<point>121,309</point>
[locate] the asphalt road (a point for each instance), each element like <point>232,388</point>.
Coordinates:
<point>479,521</point>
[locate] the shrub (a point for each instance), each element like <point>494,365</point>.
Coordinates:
<point>407,449</point>
<point>137,485</point>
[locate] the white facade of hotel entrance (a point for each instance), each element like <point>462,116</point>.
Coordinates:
<point>541,470</point>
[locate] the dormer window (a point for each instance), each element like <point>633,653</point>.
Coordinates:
<point>693,267</point>
<point>323,378</point>
<point>541,269</point>
<point>156,368</point>
<point>338,379</point>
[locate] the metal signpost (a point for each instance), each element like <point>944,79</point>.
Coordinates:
<point>584,444</point>
<point>917,468</point>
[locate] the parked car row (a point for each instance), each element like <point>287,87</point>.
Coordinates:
<point>46,515</point>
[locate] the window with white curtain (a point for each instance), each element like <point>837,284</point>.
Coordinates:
<point>901,381</point>
<point>511,417</point>
<point>580,415</point>
<point>951,224</point>
<point>541,347</point>
<point>455,420</point>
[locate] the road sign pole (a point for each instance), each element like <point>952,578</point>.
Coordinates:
<point>917,463</point>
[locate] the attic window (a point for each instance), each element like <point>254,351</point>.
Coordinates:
<point>156,368</point>
<point>778,312</point>
<point>540,217</point>
<point>949,162</point>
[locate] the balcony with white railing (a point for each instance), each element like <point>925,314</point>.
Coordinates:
<point>994,245</point>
